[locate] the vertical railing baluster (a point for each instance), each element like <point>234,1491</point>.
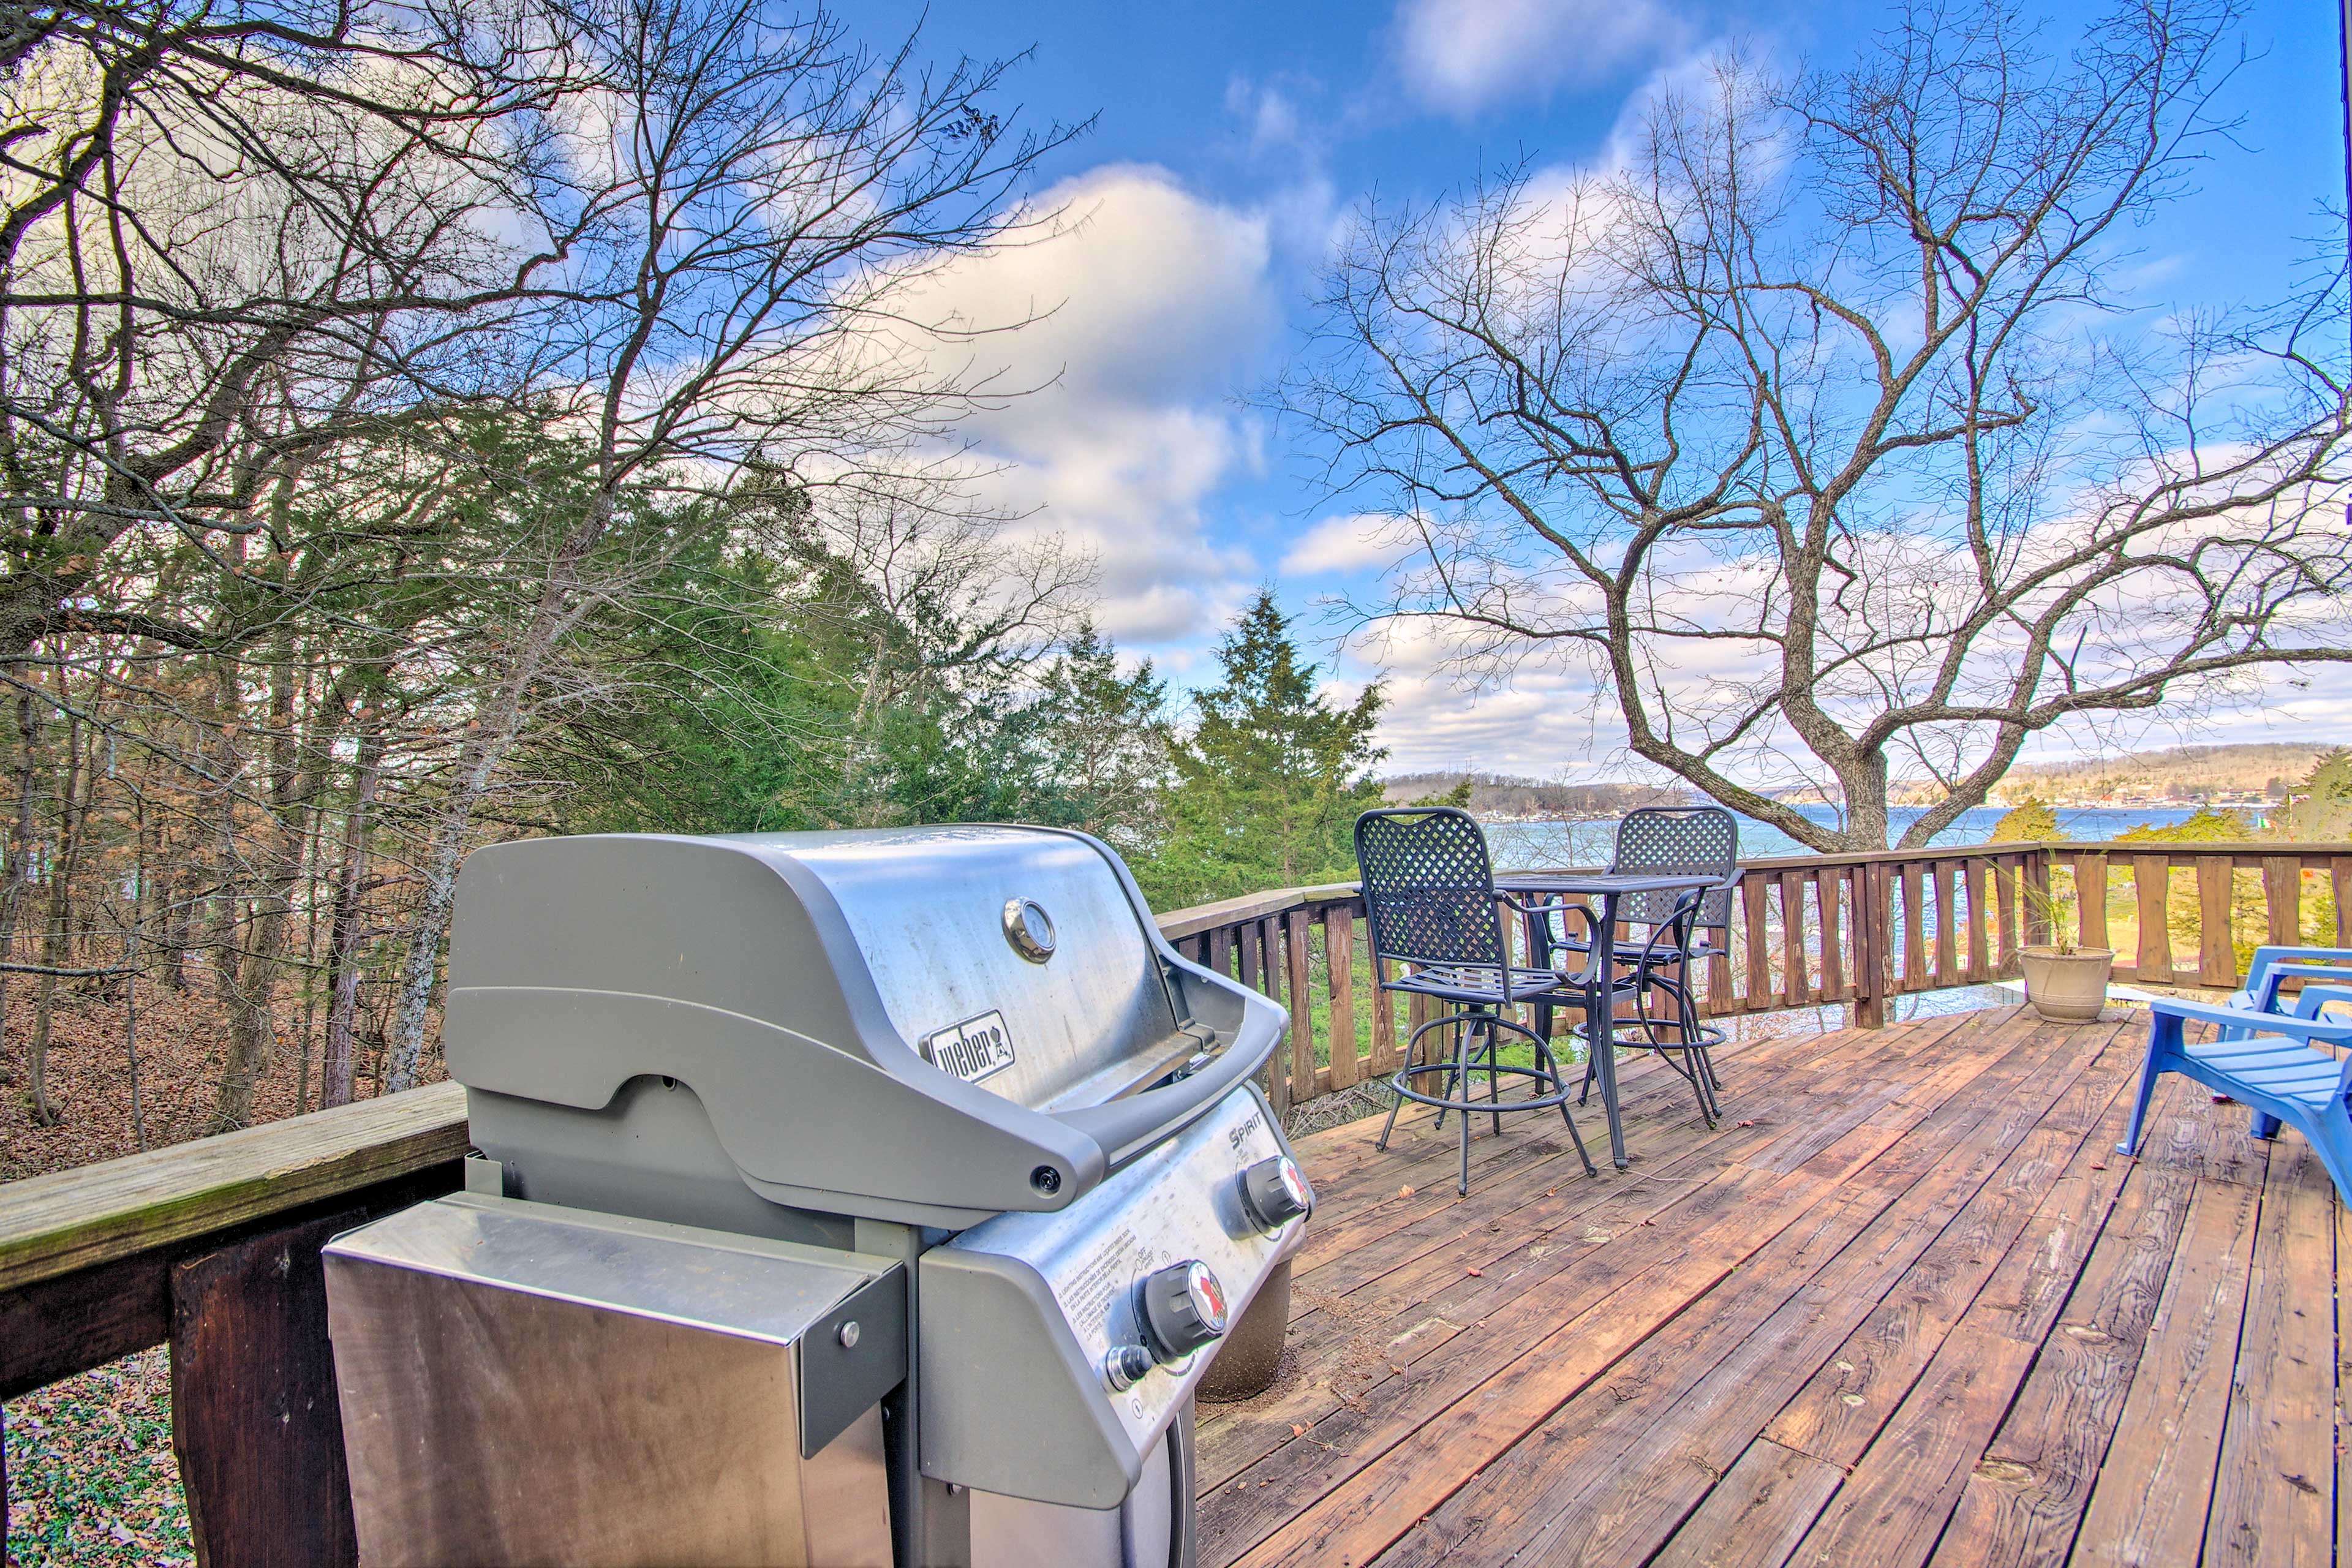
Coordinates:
<point>1973,872</point>
<point>1915,926</point>
<point>1794,967</point>
<point>1752,895</point>
<point>1339,958</point>
<point>2283,897</point>
<point>2152,896</point>
<point>1302,1007</point>
<point>2006,872</point>
<point>1827,886</point>
<point>2091,899</point>
<point>2217,949</point>
<point>1947,961</point>
<point>2339,881</point>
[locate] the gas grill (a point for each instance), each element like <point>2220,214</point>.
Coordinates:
<point>839,1198</point>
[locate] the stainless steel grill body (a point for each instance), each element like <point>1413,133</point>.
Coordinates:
<point>520,1386</point>
<point>962,1060</point>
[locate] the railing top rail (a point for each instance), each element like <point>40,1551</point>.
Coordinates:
<point>71,1220</point>
<point>1249,907</point>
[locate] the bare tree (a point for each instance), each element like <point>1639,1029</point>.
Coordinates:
<point>746,204</point>
<point>1820,430</point>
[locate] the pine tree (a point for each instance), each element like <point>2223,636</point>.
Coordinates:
<point>2029,821</point>
<point>1270,780</point>
<point>1097,744</point>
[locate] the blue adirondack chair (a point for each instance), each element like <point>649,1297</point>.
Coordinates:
<point>2267,970</point>
<point>2274,1063</point>
<point>2270,966</point>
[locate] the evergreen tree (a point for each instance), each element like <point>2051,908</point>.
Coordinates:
<point>1270,782</point>
<point>1097,742</point>
<point>2030,820</point>
<point>2321,806</point>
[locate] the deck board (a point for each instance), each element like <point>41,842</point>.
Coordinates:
<point>1905,1304</point>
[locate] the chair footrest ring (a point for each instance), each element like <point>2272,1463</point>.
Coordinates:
<point>1540,1102</point>
<point>1632,1035</point>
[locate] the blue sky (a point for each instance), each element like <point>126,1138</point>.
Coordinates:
<point>1230,141</point>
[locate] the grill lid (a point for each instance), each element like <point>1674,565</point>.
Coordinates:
<point>955,1018</point>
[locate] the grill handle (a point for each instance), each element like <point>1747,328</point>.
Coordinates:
<point>1128,1126</point>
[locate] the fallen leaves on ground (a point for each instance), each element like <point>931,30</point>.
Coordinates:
<point>92,1478</point>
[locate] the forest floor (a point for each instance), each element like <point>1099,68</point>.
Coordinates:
<point>183,1046</point>
<point>91,1477</point>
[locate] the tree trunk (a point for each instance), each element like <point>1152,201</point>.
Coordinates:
<point>54,934</point>
<point>335,1070</point>
<point>253,974</point>
<point>19,869</point>
<point>558,610</point>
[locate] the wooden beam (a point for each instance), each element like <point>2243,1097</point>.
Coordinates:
<point>2091,899</point>
<point>72,1322</point>
<point>1872,927</point>
<point>255,1421</point>
<point>76,1220</point>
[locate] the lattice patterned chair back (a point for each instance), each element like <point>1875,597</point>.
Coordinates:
<point>1429,888</point>
<point>1679,841</point>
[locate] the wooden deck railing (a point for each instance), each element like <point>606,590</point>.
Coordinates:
<point>1856,931</point>
<point>213,1246</point>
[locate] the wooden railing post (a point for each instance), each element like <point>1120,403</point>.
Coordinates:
<point>256,1425</point>
<point>1872,944</point>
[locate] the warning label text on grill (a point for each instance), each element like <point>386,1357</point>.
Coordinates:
<point>973,1049</point>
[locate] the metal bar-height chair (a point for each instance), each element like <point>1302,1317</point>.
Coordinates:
<point>1684,929</point>
<point>1430,903</point>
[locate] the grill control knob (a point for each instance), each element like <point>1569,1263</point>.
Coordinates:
<point>1273,1193</point>
<point>1183,1309</point>
<point>1124,1366</point>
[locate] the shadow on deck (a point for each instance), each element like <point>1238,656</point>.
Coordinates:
<point>1906,1305</point>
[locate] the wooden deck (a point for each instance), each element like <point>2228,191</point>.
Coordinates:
<point>1906,1306</point>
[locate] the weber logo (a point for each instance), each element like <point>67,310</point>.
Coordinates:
<point>973,1049</point>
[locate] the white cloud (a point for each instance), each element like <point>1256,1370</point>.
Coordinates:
<point>1463,57</point>
<point>1360,541</point>
<point>1145,307</point>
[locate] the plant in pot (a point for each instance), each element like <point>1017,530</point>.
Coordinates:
<point>2063,982</point>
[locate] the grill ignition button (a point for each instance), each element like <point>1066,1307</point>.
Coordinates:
<point>1273,1193</point>
<point>1183,1309</point>
<point>1125,1365</point>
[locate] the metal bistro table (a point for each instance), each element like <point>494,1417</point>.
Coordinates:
<point>1605,890</point>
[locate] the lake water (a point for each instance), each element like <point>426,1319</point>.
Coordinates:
<point>1590,843</point>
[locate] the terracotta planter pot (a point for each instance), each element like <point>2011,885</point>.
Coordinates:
<point>2067,987</point>
<point>1252,1351</point>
